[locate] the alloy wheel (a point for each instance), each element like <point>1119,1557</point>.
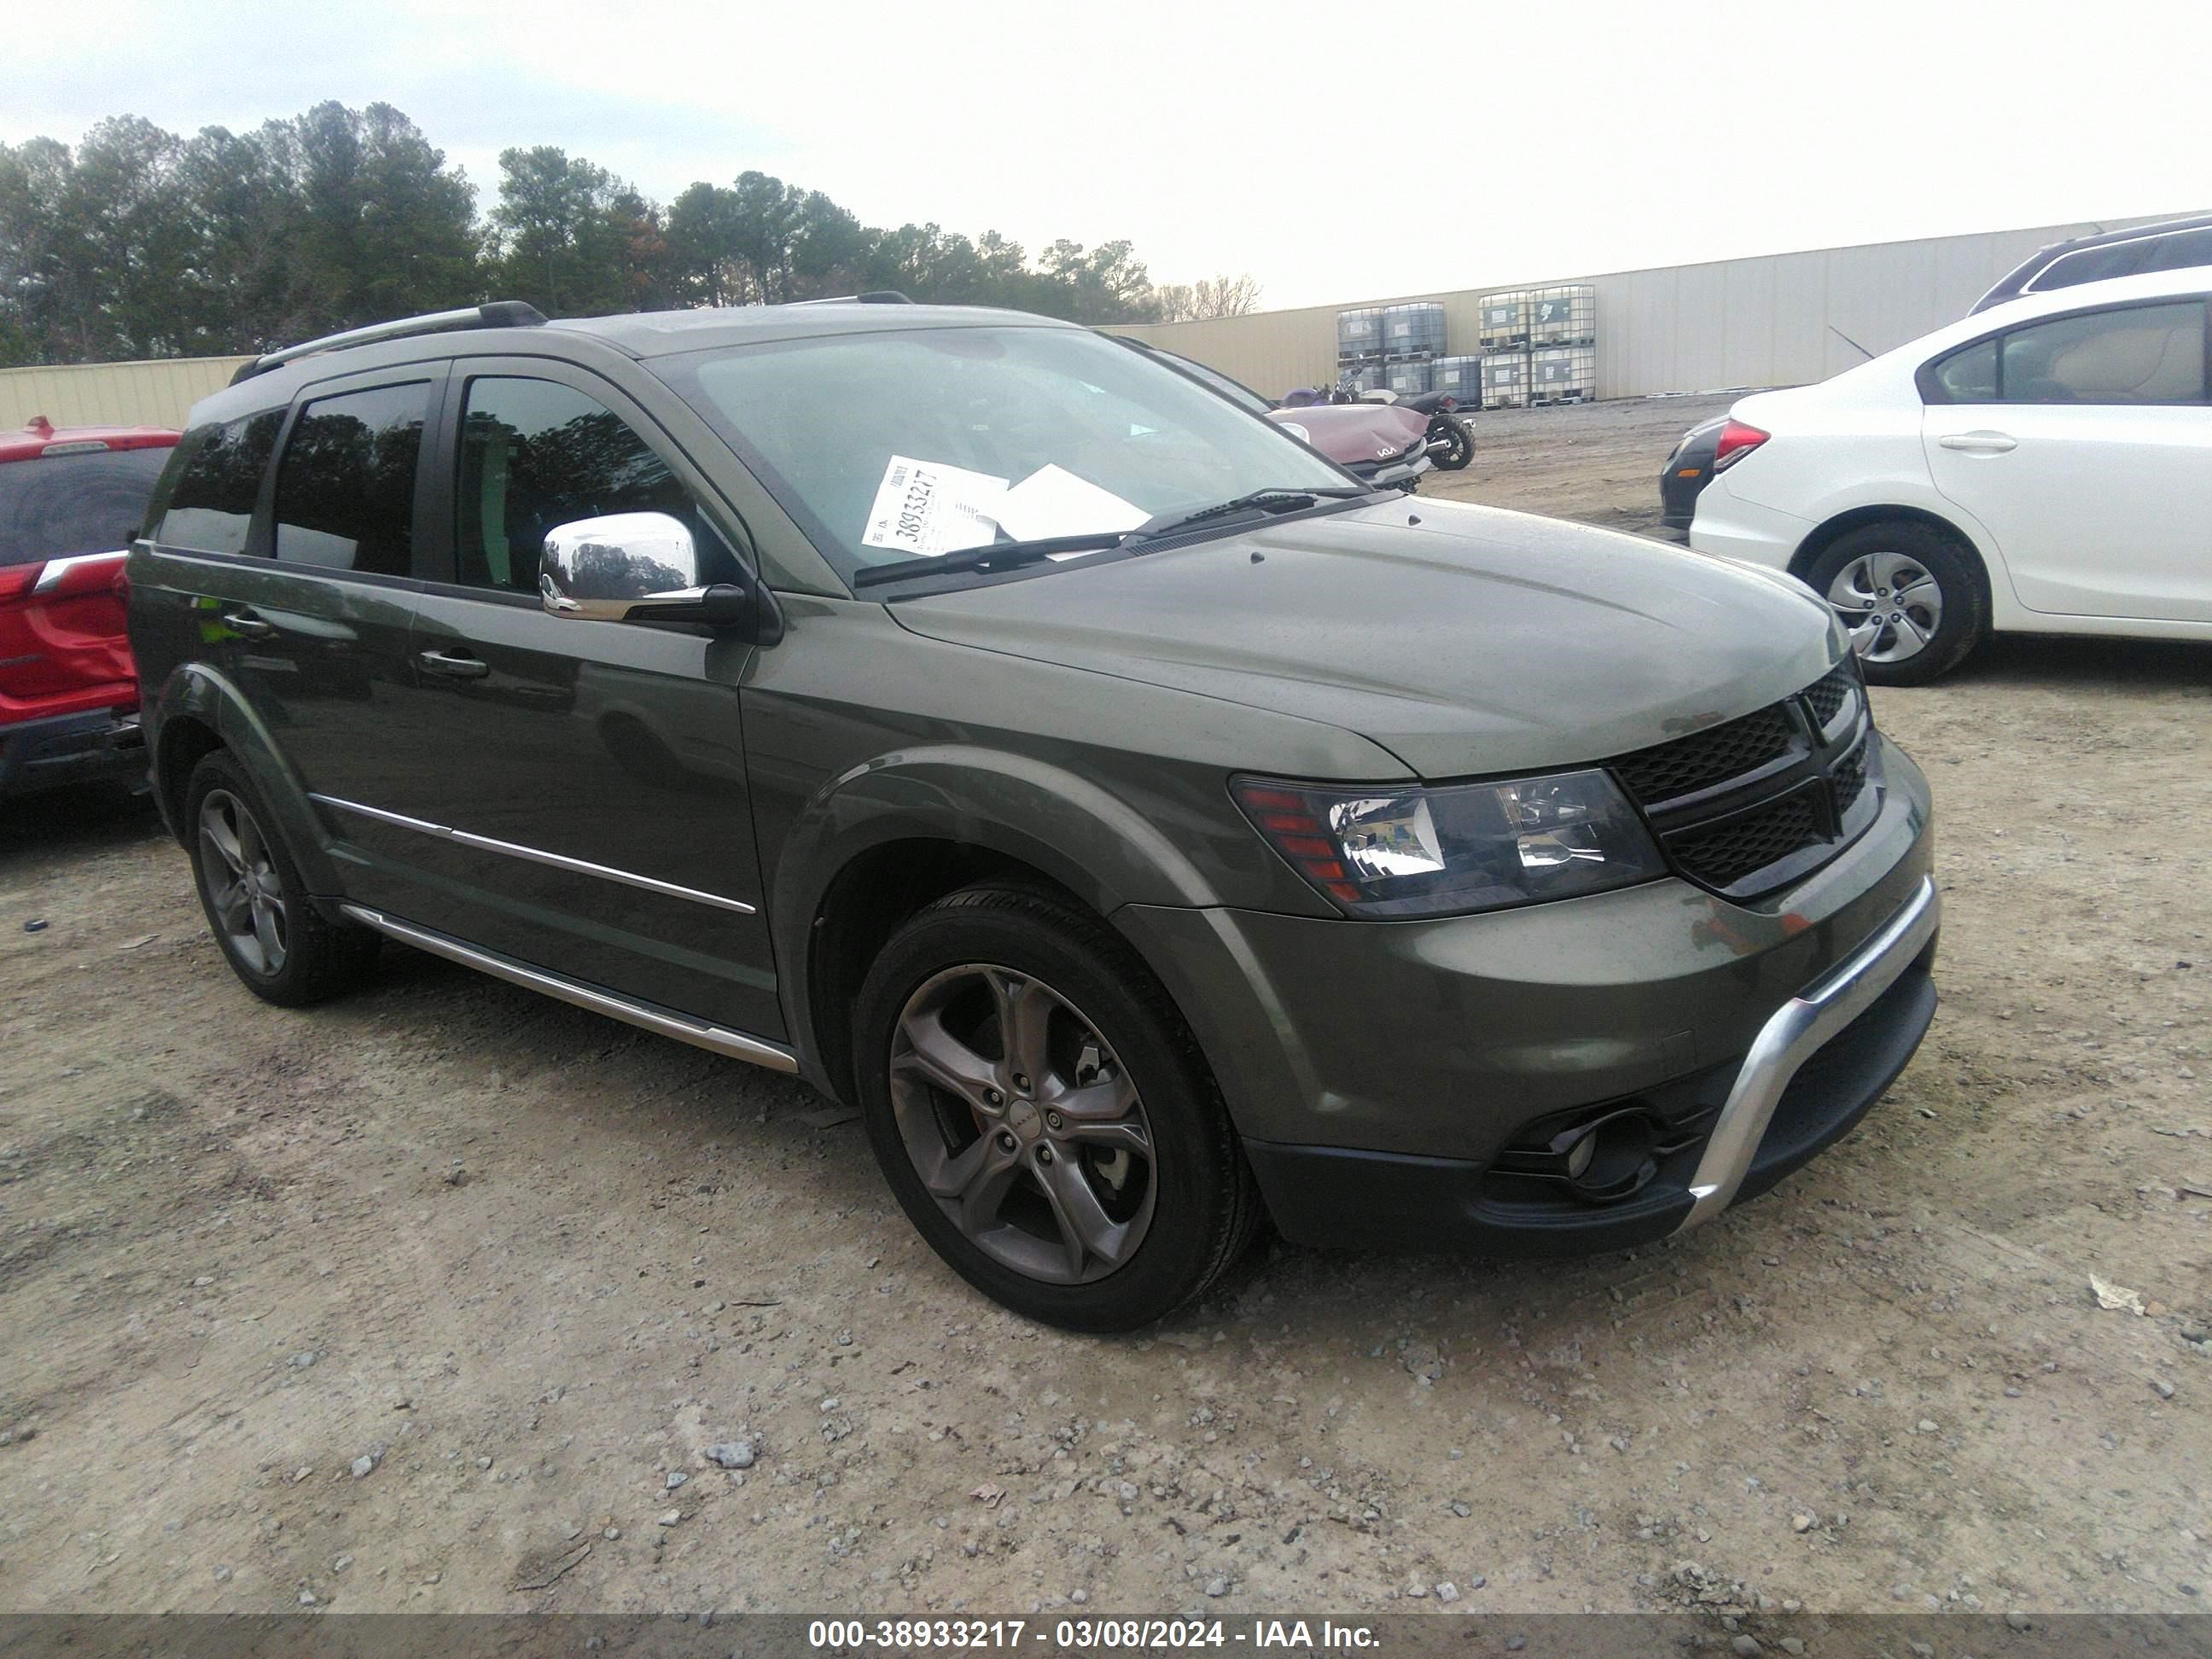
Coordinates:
<point>244,889</point>
<point>1022,1124</point>
<point>1890,604</point>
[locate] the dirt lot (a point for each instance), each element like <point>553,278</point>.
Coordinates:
<point>532,1263</point>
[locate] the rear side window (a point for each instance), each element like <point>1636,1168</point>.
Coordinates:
<point>2129,355</point>
<point>2090,264</point>
<point>2138,354</point>
<point>2180,252</point>
<point>217,471</point>
<point>64,504</point>
<point>536,455</point>
<point>345,491</point>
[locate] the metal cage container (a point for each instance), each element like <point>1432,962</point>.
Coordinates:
<point>1459,376</point>
<point>1505,320</point>
<point>1360,334</point>
<point>1414,331</point>
<point>1361,377</point>
<point>1563,375</point>
<point>1563,315</point>
<point>1505,380</point>
<point>1405,379</point>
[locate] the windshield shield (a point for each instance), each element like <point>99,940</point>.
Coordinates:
<point>890,446</point>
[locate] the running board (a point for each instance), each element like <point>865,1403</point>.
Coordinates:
<point>700,1034</point>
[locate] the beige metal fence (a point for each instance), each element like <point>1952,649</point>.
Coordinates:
<point>154,393</point>
<point>1777,319</point>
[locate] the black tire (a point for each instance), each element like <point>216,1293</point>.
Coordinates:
<point>1843,575</point>
<point>319,957</point>
<point>1203,1205</point>
<point>1462,447</point>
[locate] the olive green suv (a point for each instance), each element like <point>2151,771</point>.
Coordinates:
<point>1148,827</point>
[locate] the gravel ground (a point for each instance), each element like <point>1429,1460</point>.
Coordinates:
<point>446,1297</point>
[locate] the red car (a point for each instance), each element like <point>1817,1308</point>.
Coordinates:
<point>70,500</point>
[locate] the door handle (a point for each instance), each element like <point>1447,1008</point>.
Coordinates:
<point>455,666</point>
<point>1978,443</point>
<point>247,626</point>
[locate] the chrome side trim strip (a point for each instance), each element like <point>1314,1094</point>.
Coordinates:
<point>557,861</point>
<point>1788,1040</point>
<point>51,577</point>
<point>701,1034</point>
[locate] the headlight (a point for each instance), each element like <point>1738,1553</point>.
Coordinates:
<point>1394,851</point>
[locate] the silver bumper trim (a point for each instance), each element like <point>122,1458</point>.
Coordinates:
<point>701,1034</point>
<point>1787,1040</point>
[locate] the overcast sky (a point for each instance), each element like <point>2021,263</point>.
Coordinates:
<point>1337,153</point>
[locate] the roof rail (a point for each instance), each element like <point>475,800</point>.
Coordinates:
<point>495,313</point>
<point>882,296</point>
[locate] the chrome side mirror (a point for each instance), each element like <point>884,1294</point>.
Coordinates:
<point>621,565</point>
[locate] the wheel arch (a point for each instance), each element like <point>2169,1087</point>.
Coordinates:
<point>200,710</point>
<point>1833,529</point>
<point>881,841</point>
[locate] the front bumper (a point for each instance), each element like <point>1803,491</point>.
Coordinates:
<point>1396,473</point>
<point>94,746</point>
<point>1378,1071</point>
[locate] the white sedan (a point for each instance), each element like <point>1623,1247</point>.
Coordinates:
<point>2044,466</point>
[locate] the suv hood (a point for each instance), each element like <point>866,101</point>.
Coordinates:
<point>1465,640</point>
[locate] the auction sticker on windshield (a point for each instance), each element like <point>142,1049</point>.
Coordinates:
<point>925,507</point>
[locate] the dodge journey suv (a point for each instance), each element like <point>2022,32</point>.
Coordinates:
<point>1147,826</point>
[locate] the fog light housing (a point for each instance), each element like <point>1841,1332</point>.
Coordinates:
<point>1612,1157</point>
<point>1599,1159</point>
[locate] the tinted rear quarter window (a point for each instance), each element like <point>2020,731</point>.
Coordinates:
<point>345,489</point>
<point>2180,252</point>
<point>1969,376</point>
<point>57,505</point>
<point>212,482</point>
<point>2090,264</point>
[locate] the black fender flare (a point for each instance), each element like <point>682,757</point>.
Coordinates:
<point>1079,835</point>
<point>198,692</point>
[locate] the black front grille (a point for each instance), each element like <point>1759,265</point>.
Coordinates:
<point>1849,780</point>
<point>1762,800</point>
<point>1828,695</point>
<point>1722,856</point>
<point>1707,757</point>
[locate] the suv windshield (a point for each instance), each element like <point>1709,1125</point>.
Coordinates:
<point>928,441</point>
<point>64,504</point>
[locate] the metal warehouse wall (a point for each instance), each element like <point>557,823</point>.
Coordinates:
<point>1772,320</point>
<point>155,394</point>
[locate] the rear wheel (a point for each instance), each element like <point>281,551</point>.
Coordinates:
<point>1911,598</point>
<point>1043,1114</point>
<point>284,949</point>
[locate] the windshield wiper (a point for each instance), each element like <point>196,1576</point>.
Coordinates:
<point>1006,555</point>
<point>1010,555</point>
<point>1285,500</point>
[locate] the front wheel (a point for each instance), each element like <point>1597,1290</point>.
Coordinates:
<point>1459,443</point>
<point>1043,1114</point>
<point>1911,598</point>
